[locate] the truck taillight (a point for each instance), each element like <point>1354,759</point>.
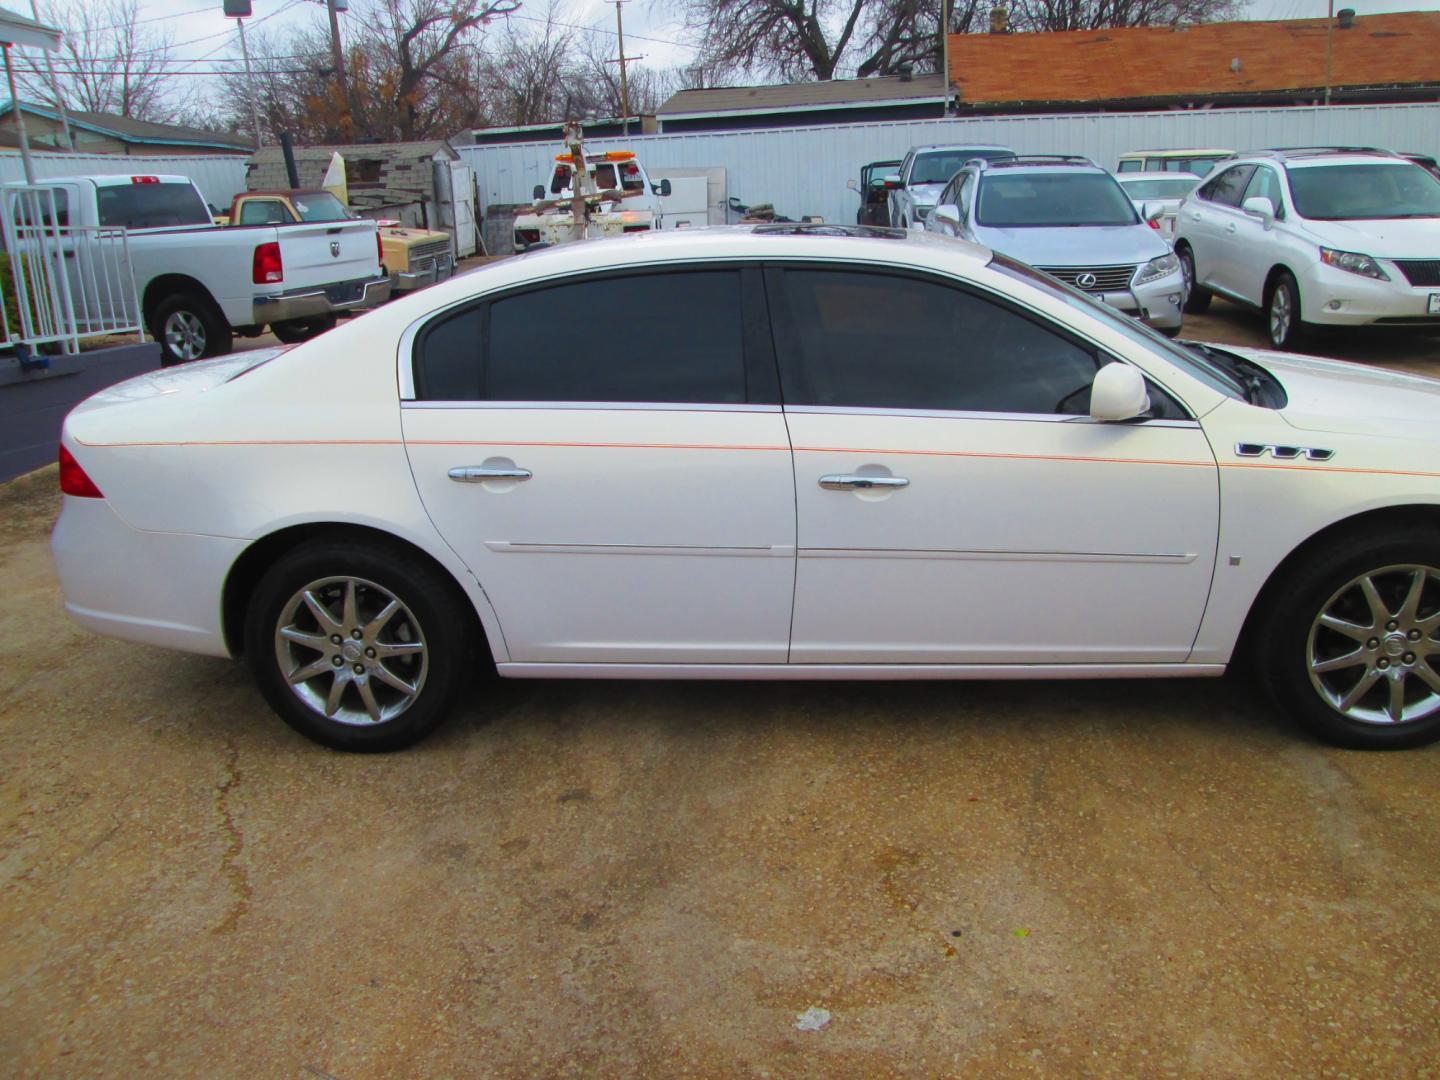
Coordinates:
<point>379,248</point>
<point>528,236</point>
<point>74,480</point>
<point>268,268</point>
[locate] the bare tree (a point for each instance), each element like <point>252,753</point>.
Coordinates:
<point>109,63</point>
<point>1098,14</point>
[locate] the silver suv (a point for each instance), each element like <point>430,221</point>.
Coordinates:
<point>924,172</point>
<point>1067,216</point>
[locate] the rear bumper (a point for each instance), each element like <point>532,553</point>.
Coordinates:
<point>157,588</point>
<point>358,295</point>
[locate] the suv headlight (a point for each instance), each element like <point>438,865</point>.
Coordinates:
<point>1354,262</point>
<point>1155,269</point>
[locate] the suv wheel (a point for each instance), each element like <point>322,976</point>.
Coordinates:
<point>1282,312</point>
<point>1197,297</point>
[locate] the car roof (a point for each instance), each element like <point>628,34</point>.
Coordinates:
<point>1154,174</point>
<point>959,146</point>
<point>1189,152</point>
<point>277,192</point>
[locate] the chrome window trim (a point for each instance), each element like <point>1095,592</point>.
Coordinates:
<point>961,414</point>
<point>595,406</point>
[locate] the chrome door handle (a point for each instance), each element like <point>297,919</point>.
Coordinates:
<point>1230,227</point>
<point>848,482</point>
<point>474,474</point>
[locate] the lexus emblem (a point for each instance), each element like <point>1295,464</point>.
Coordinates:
<point>1086,280</point>
<point>335,253</point>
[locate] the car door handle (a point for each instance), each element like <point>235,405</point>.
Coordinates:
<point>475,474</point>
<point>1230,227</point>
<point>848,482</point>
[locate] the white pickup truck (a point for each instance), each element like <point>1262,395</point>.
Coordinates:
<point>618,194</point>
<point>200,284</point>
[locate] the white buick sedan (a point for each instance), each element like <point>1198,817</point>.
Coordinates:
<point>782,452</point>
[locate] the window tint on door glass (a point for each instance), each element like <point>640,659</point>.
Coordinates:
<point>672,337</point>
<point>1228,186</point>
<point>1265,185</point>
<point>880,341</point>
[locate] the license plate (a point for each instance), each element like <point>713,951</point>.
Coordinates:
<point>1434,307</point>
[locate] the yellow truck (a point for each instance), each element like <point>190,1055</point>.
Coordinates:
<point>413,258</point>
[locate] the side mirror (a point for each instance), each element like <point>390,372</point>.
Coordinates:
<point>1261,207</point>
<point>892,181</point>
<point>1118,393</point>
<point>852,185</point>
<point>539,192</point>
<point>665,188</point>
<point>1153,211</point>
<point>949,213</point>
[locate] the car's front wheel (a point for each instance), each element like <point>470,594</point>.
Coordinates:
<point>1282,312</point>
<point>357,645</point>
<point>1352,648</point>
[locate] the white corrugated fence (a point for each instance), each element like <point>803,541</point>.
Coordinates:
<point>219,176</point>
<point>803,170</point>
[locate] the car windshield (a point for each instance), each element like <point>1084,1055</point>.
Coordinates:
<point>320,206</point>
<point>940,166</point>
<point>1195,364</point>
<point>1369,191</point>
<point>1177,188</point>
<point>1052,199</point>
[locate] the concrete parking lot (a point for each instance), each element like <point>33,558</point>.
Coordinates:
<point>656,879</point>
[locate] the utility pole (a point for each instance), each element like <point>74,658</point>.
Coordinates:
<point>249,84</point>
<point>1329,49</point>
<point>944,58</point>
<point>337,56</point>
<point>624,89</point>
<point>55,90</point>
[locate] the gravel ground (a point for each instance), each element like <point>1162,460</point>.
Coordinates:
<point>650,879</point>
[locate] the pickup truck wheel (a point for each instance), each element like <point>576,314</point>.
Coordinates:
<point>187,328</point>
<point>297,330</point>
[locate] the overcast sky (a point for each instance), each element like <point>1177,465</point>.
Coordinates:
<point>203,35</point>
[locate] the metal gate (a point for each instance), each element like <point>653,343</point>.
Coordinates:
<point>65,282</point>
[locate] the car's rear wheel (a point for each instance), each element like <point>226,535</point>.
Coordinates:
<point>297,330</point>
<point>356,645</point>
<point>1197,297</point>
<point>1352,650</point>
<point>1282,312</point>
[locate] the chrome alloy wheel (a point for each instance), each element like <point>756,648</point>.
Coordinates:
<point>351,651</point>
<point>1281,314</point>
<point>1374,649</point>
<point>185,335</point>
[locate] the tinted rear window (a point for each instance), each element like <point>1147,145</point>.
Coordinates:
<point>151,206</point>
<point>674,337</point>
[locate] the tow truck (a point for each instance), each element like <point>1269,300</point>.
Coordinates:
<point>592,195</point>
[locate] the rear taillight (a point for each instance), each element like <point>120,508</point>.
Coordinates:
<point>268,267</point>
<point>379,248</point>
<point>74,480</point>
<point>527,236</point>
<point>1154,225</point>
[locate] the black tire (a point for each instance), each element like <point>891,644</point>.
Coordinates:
<point>297,330</point>
<point>433,613</point>
<point>209,333</point>
<point>1197,297</point>
<point>1286,335</point>
<point>1287,640</point>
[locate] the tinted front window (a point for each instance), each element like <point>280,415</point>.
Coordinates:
<point>873,340</point>
<point>1033,200</point>
<point>1229,186</point>
<point>1360,192</point>
<point>940,166</point>
<point>673,337</point>
<point>1265,185</point>
<point>151,206</point>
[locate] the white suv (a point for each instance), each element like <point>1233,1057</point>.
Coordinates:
<point>1337,236</point>
<point>1067,216</point>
